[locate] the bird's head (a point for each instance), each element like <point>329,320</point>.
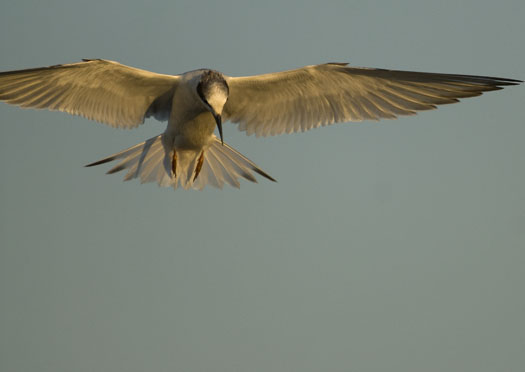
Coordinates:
<point>213,92</point>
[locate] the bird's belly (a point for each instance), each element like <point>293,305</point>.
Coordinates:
<point>194,133</point>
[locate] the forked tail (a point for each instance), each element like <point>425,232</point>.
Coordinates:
<point>214,165</point>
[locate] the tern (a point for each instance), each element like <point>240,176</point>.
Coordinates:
<point>188,154</point>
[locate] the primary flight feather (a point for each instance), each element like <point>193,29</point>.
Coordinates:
<point>188,154</point>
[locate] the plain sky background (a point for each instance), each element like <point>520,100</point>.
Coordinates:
<point>385,246</point>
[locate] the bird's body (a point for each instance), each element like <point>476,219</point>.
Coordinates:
<point>188,154</point>
<point>190,125</point>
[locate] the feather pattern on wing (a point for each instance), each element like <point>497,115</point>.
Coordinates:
<point>102,90</point>
<point>314,96</point>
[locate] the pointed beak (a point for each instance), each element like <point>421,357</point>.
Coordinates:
<point>218,120</point>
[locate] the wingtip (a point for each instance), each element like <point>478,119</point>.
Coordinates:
<point>337,63</point>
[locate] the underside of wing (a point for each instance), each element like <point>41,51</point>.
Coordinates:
<point>314,96</point>
<point>105,91</point>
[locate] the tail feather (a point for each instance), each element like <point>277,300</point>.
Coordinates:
<point>150,161</point>
<point>220,170</point>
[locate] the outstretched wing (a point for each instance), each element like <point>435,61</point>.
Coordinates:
<point>105,91</point>
<point>313,96</point>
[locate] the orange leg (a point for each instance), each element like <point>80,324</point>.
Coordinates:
<point>174,163</point>
<point>199,166</point>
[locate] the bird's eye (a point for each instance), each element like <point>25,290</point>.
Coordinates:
<point>200,92</point>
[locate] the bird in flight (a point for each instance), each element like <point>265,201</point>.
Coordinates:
<point>188,154</point>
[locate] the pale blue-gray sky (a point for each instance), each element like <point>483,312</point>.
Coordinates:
<point>392,245</point>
